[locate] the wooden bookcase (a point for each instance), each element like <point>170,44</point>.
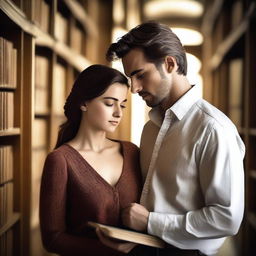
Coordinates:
<point>229,83</point>
<point>53,42</point>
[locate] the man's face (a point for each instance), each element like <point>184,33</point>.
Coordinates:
<point>146,80</point>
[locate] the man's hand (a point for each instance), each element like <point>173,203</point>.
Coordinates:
<point>124,247</point>
<point>135,216</point>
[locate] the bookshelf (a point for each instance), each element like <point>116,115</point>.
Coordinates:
<point>10,137</point>
<point>229,83</point>
<point>44,45</point>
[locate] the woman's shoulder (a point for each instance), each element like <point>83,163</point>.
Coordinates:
<point>58,153</point>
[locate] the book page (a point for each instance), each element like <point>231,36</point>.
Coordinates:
<point>129,235</point>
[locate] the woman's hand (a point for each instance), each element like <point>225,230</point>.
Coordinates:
<point>124,247</point>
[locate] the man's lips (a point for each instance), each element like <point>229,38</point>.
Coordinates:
<point>143,94</point>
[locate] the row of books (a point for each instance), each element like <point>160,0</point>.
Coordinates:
<point>6,163</point>
<point>41,17</point>
<point>59,88</point>
<point>6,110</point>
<point>77,34</point>
<point>6,202</point>
<point>77,40</point>
<point>41,11</point>
<point>41,84</point>
<point>8,64</point>
<point>61,28</point>
<point>6,243</point>
<point>42,90</point>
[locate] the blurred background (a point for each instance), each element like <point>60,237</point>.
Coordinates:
<point>44,44</point>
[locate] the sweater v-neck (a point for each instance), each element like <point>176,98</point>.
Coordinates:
<point>94,171</point>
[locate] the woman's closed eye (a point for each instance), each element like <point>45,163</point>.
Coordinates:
<point>140,76</point>
<point>109,104</point>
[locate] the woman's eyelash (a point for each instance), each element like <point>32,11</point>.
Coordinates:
<point>111,105</point>
<point>140,76</point>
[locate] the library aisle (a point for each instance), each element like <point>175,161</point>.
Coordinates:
<point>44,44</point>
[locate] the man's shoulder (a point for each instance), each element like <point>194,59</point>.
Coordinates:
<point>212,115</point>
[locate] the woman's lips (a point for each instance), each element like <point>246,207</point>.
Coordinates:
<point>114,122</point>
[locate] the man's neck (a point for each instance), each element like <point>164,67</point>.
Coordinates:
<point>180,87</point>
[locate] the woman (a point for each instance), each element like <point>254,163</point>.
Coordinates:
<point>89,177</point>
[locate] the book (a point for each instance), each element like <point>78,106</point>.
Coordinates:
<point>128,235</point>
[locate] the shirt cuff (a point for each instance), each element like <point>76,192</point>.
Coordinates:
<point>156,223</point>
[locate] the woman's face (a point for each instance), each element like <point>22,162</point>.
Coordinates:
<point>105,112</point>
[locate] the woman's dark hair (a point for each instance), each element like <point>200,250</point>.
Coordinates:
<point>156,40</point>
<point>91,83</point>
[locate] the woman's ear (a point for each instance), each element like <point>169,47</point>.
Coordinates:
<point>170,63</point>
<point>83,108</point>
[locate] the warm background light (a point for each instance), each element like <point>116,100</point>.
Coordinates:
<point>188,36</point>
<point>156,9</point>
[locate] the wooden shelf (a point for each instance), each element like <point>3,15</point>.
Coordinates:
<point>10,132</point>
<point>80,14</point>
<point>211,16</point>
<point>64,51</point>
<point>42,38</point>
<point>252,219</point>
<point>252,132</point>
<point>231,39</point>
<point>10,223</point>
<point>52,46</point>
<point>17,16</point>
<point>71,56</point>
<point>253,174</point>
<point>6,181</point>
<point>42,115</point>
<point>7,88</point>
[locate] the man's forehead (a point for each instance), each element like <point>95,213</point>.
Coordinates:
<point>133,61</point>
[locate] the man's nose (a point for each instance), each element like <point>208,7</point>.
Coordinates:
<point>135,87</point>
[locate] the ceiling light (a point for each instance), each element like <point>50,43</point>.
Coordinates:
<point>163,8</point>
<point>188,36</point>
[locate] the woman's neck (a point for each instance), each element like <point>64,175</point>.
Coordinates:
<point>89,139</point>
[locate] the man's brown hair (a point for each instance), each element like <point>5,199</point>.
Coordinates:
<point>156,40</point>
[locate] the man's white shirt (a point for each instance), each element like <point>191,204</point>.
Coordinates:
<point>192,165</point>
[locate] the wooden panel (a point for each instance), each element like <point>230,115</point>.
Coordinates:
<point>26,137</point>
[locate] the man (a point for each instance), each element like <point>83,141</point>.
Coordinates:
<point>191,153</point>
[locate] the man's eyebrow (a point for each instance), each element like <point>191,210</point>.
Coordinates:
<point>135,72</point>
<point>112,98</point>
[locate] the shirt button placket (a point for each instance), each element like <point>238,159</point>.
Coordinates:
<point>163,130</point>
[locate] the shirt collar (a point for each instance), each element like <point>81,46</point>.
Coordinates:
<point>179,108</point>
<point>183,105</point>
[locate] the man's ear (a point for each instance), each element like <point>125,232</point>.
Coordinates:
<point>170,63</point>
